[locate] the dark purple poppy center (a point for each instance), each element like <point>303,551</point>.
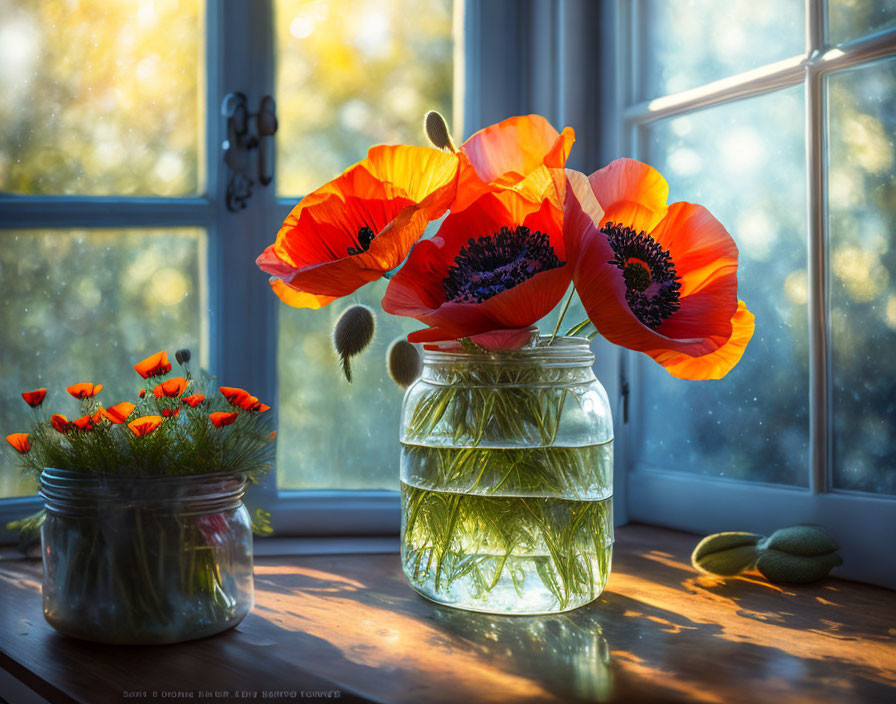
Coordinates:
<point>363,239</point>
<point>651,282</point>
<point>488,265</point>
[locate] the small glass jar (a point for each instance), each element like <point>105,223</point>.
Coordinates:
<point>506,479</point>
<point>145,560</point>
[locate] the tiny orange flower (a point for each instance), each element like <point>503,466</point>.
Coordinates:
<point>144,425</point>
<point>60,423</point>
<point>172,388</point>
<point>168,413</point>
<point>154,365</point>
<point>221,418</point>
<point>193,400</point>
<point>19,441</point>
<point>142,393</point>
<point>119,412</point>
<point>84,389</point>
<point>235,396</point>
<point>34,398</point>
<point>273,435</point>
<point>85,423</point>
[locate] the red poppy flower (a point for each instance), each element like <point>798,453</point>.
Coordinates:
<point>84,390</point>
<point>19,441</point>
<point>359,226</point>
<point>85,423</point>
<point>144,425</point>
<point>234,396</point>
<point>154,365</point>
<point>169,413</point>
<point>254,405</point>
<point>657,278</point>
<point>498,265</point>
<point>142,393</point>
<point>193,400</point>
<point>171,388</point>
<point>60,423</point>
<point>522,153</point>
<point>34,398</point>
<point>119,412</point>
<point>243,399</point>
<point>221,418</point>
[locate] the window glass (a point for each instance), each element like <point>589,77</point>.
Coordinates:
<point>862,188</point>
<point>753,424</point>
<point>349,75</point>
<point>687,43</point>
<point>851,19</point>
<point>86,305</point>
<point>100,97</point>
<point>354,73</point>
<point>335,434</point>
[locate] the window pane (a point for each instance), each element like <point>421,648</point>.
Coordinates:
<point>686,43</point>
<point>354,73</point>
<point>851,19</point>
<point>100,97</point>
<point>85,305</point>
<point>334,434</point>
<point>862,186</point>
<point>753,424</point>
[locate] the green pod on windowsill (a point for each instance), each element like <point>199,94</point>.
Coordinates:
<point>797,554</point>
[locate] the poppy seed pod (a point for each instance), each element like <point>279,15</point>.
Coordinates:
<point>403,362</point>
<point>437,131</point>
<point>352,333</point>
<point>726,554</point>
<point>183,356</point>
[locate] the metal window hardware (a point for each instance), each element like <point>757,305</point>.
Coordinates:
<point>241,142</point>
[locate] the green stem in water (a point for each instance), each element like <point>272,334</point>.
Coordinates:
<point>562,313</point>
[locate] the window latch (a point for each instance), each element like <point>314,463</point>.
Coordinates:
<point>249,136</point>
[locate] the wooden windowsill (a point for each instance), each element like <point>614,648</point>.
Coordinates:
<point>350,626</point>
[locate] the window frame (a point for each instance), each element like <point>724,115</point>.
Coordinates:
<point>235,58</point>
<point>703,504</point>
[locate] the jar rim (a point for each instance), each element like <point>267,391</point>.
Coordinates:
<point>561,352</point>
<point>73,475</point>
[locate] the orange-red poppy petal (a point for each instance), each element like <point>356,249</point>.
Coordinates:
<point>154,365</point>
<point>119,412</point>
<point>296,298</point>
<point>193,400</point>
<point>171,388</point>
<point>19,441</point>
<point>144,425</point>
<point>717,364</point>
<point>504,153</point>
<point>60,423</point>
<point>221,418</point>
<point>84,390</point>
<point>34,398</point>
<point>630,192</point>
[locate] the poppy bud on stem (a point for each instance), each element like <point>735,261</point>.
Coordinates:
<point>403,362</point>
<point>352,333</point>
<point>437,131</point>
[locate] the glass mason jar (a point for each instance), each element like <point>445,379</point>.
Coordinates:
<point>140,560</point>
<point>506,479</point>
